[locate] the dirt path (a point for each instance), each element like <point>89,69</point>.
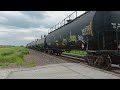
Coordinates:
<point>38,58</point>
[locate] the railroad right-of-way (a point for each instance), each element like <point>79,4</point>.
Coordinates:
<point>51,67</point>
<point>61,71</point>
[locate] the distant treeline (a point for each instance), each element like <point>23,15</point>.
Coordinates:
<point>6,46</point>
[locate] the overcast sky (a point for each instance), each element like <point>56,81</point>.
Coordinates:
<point>22,27</point>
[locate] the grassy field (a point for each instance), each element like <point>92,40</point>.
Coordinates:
<point>76,53</point>
<point>12,56</point>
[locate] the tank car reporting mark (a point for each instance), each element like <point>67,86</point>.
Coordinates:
<point>114,25</point>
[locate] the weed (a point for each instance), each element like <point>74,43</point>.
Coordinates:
<point>12,55</point>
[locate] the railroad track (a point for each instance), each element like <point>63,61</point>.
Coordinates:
<point>115,68</point>
<point>73,58</point>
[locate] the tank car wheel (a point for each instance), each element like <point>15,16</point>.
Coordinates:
<point>107,62</point>
<point>104,62</point>
<point>89,61</point>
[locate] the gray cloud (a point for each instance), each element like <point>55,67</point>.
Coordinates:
<point>23,19</point>
<point>37,14</point>
<point>22,27</point>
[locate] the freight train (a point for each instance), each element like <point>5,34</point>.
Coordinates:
<point>96,32</point>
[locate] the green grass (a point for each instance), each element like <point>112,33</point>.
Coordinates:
<point>76,53</point>
<point>12,55</point>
